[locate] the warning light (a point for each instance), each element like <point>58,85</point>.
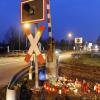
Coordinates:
<point>26,25</point>
<point>39,32</point>
<point>29,9</point>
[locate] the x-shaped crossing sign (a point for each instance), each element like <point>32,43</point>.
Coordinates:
<point>33,42</point>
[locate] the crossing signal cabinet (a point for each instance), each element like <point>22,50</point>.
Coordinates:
<point>32,11</point>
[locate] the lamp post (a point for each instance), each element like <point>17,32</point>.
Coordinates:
<point>69,35</point>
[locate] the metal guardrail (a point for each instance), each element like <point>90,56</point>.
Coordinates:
<point>17,76</point>
<point>11,92</point>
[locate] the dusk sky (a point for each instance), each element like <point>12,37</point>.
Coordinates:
<point>81,17</point>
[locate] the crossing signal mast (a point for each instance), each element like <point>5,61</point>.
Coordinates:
<point>51,57</point>
<point>34,11</point>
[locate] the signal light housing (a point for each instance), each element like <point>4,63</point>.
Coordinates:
<point>32,11</point>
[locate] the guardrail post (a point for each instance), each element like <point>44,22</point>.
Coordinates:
<point>30,68</point>
<point>30,73</point>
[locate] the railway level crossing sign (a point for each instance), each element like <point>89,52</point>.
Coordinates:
<point>32,11</point>
<point>33,42</point>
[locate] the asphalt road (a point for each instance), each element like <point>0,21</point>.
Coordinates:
<point>9,66</point>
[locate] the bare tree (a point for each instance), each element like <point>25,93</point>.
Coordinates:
<point>12,38</point>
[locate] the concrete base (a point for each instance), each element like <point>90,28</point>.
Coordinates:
<point>51,69</point>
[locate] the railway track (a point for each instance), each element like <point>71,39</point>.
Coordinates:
<point>91,73</point>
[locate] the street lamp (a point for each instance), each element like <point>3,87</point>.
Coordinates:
<point>69,35</point>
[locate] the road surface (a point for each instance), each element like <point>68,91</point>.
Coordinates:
<point>9,66</point>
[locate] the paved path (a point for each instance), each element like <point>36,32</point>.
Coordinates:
<point>9,66</point>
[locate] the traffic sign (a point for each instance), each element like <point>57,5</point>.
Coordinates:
<point>32,11</point>
<point>33,42</point>
<point>79,40</point>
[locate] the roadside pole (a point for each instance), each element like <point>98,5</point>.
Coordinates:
<point>36,64</point>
